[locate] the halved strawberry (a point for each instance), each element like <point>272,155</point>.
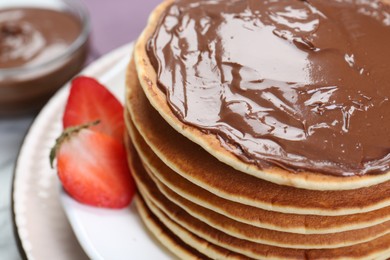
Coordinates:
<point>89,101</point>
<point>92,168</point>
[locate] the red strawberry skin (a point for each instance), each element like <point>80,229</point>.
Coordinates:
<point>90,101</point>
<point>93,170</point>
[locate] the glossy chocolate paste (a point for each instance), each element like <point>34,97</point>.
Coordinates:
<point>36,55</point>
<point>30,36</point>
<point>303,85</point>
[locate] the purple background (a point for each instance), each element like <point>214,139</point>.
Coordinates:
<point>117,22</point>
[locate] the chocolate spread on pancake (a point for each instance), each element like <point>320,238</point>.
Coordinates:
<point>30,36</point>
<point>303,85</point>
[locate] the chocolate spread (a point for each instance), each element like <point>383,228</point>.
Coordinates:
<point>303,85</point>
<point>40,50</point>
<point>30,36</point>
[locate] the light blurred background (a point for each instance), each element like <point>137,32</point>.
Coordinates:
<point>117,22</point>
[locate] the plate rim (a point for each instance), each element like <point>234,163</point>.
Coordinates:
<point>15,228</point>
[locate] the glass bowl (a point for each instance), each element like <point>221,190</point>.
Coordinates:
<point>25,88</point>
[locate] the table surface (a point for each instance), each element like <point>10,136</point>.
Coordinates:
<point>114,23</point>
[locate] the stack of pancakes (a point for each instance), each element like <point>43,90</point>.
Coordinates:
<point>201,201</point>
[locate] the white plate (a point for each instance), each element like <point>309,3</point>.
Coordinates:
<point>41,224</point>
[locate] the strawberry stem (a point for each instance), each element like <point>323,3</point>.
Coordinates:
<point>66,134</point>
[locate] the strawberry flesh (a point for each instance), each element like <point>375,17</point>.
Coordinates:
<point>93,170</point>
<point>90,101</point>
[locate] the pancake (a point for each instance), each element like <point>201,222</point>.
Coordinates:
<point>267,154</point>
<point>171,241</point>
<point>377,248</point>
<point>255,217</point>
<point>266,236</point>
<point>197,166</point>
<point>211,144</point>
<point>146,184</point>
<point>165,236</point>
<point>363,250</point>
